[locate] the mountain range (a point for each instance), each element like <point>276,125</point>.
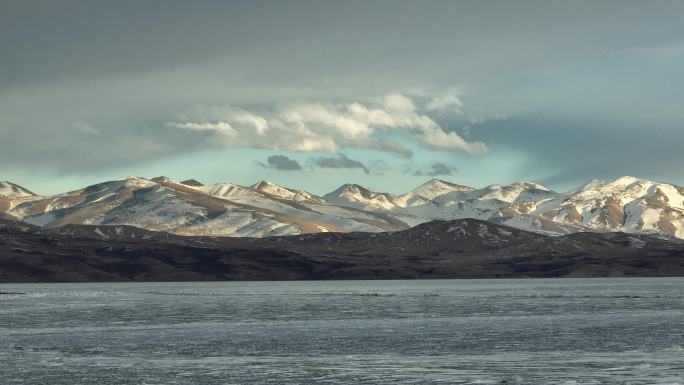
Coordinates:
<point>626,204</point>
<point>462,248</point>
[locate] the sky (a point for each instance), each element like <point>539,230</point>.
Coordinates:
<point>314,94</point>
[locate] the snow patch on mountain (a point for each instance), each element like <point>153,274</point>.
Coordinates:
<point>626,204</point>
<point>285,193</point>
<point>13,191</point>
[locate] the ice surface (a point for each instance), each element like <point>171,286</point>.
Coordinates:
<point>563,331</point>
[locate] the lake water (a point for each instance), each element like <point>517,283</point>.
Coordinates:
<point>555,331</point>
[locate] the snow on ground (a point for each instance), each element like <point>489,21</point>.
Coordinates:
<point>100,233</point>
<point>39,220</point>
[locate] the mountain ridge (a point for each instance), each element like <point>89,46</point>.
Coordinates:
<point>464,248</point>
<point>625,204</point>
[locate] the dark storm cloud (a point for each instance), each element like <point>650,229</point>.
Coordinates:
<point>86,86</point>
<point>570,150</point>
<point>281,162</point>
<point>339,161</point>
<point>75,39</point>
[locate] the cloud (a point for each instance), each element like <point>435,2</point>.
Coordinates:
<point>441,169</point>
<point>662,51</point>
<point>85,128</point>
<point>281,162</point>
<point>578,149</point>
<point>242,117</point>
<point>379,167</point>
<point>221,128</point>
<point>450,100</point>
<point>389,145</point>
<point>339,161</point>
<point>436,169</point>
<point>398,102</point>
<point>317,126</point>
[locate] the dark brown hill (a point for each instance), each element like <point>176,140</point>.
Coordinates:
<point>466,248</point>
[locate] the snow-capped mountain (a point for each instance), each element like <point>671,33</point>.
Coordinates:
<point>436,187</point>
<point>353,195</point>
<point>223,209</point>
<point>10,195</point>
<point>626,204</point>
<point>286,193</point>
<point>13,191</point>
<point>438,199</point>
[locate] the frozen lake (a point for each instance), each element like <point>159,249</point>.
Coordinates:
<point>551,331</point>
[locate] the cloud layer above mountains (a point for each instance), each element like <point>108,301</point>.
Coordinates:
<point>330,127</point>
<point>239,91</point>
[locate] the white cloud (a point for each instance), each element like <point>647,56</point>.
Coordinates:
<point>450,100</point>
<point>311,126</point>
<point>259,124</point>
<point>438,139</point>
<point>222,128</point>
<point>313,144</point>
<point>323,117</point>
<point>398,102</point>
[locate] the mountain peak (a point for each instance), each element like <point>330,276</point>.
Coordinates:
<point>357,196</point>
<point>355,188</point>
<point>627,180</point>
<point>279,191</point>
<point>162,179</point>
<point>436,187</point>
<point>441,182</point>
<point>618,183</point>
<point>13,191</point>
<point>436,181</point>
<point>275,189</point>
<point>586,186</point>
<point>625,204</point>
<point>272,188</point>
<point>263,184</point>
<point>192,183</point>
<point>528,185</point>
